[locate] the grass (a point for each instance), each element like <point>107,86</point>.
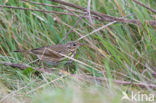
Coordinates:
<point>124,52</point>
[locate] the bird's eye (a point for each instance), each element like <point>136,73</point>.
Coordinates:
<point>74,44</point>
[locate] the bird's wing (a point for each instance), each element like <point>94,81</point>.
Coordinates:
<point>46,51</point>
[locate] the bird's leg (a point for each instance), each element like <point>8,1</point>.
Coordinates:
<point>70,66</point>
<point>70,61</point>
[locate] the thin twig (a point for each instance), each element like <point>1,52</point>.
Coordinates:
<point>105,17</point>
<point>143,5</point>
<point>96,15</point>
<point>44,11</point>
<point>121,82</point>
<point>44,4</point>
<point>12,94</point>
<point>71,58</point>
<point>53,6</point>
<point>66,35</point>
<point>93,46</point>
<point>41,86</point>
<point>23,67</point>
<point>96,30</point>
<point>89,14</point>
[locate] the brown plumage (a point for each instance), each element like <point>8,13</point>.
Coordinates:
<point>53,53</point>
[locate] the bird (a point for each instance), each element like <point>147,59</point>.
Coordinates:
<point>54,54</point>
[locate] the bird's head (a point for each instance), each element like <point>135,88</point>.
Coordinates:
<point>72,46</point>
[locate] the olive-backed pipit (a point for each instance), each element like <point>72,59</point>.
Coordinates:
<point>52,54</point>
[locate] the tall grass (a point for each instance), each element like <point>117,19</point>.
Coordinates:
<point>124,52</point>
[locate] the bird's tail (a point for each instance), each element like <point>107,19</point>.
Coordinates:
<point>25,51</point>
